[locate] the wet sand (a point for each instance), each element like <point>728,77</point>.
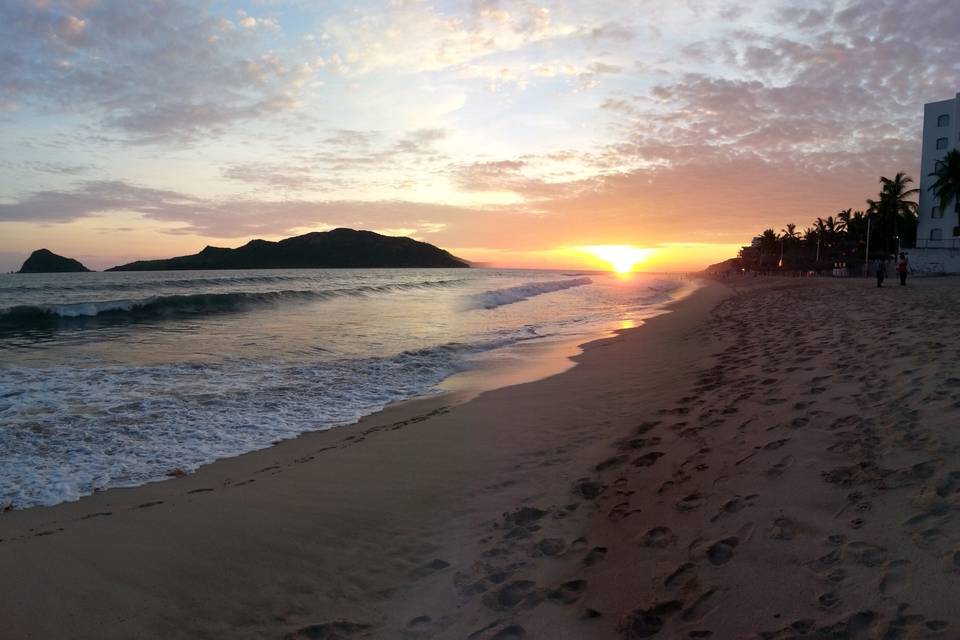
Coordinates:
<point>772,459</point>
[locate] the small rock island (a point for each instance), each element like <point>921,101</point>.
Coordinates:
<point>46,261</point>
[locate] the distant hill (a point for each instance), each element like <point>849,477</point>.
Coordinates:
<point>46,261</point>
<point>731,264</point>
<point>339,248</point>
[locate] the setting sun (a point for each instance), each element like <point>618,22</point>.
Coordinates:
<point>621,257</point>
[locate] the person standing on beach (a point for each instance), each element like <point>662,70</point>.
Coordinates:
<point>881,267</point>
<point>902,267</point>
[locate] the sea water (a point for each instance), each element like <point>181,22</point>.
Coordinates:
<point>116,379</point>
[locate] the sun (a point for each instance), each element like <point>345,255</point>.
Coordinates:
<point>621,257</point>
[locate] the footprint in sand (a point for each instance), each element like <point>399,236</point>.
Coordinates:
<point>588,489</point>
<point>690,502</point>
<point>513,632</point>
<point>644,427</point>
<point>937,625</point>
<point>419,622</point>
<point>596,555</point>
<point>336,629</point>
<point>658,537</point>
<point>948,485</point>
<point>568,592</point>
<point>431,567</point>
<point>620,512</point>
<point>934,541</point>
<point>549,547</point>
<point>647,459</point>
<point>681,575</point>
<point>641,443</point>
<point>99,514</point>
<point>783,528</point>
<point>895,579</point>
<point>644,623</point>
<point>417,628</point>
<point>702,606</point>
<point>866,554</point>
<point>510,595</point>
<point>776,444</point>
<point>829,600</point>
<point>523,517</point>
<point>721,551</point>
<point>610,463</point>
<point>734,505</point>
<point>781,467</point>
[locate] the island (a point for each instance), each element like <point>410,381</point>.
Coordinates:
<point>46,261</point>
<point>336,249</point>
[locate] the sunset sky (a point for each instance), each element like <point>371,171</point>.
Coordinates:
<point>509,132</point>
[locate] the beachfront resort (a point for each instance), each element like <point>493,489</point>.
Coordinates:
<point>919,219</point>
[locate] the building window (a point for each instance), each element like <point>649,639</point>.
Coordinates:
<point>935,212</point>
<point>941,143</point>
<point>943,121</point>
<point>936,234</point>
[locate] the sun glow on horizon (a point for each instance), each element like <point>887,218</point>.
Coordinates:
<point>621,257</point>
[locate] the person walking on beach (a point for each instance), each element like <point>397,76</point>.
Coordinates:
<point>902,267</point>
<point>881,267</point>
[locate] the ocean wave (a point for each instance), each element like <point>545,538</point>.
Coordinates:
<point>70,431</point>
<point>159,283</point>
<point>43,315</point>
<point>519,293</point>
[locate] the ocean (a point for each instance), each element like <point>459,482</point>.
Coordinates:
<point>116,379</point>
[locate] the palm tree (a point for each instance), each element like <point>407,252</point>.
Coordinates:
<point>789,235</point>
<point>946,187</point>
<point>856,225</point>
<point>789,238</point>
<point>830,228</point>
<point>769,242</point>
<point>894,214</point>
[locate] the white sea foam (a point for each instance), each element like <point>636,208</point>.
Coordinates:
<point>91,397</point>
<point>519,293</point>
<point>70,431</point>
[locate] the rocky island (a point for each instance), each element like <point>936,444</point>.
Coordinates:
<point>339,248</point>
<point>46,261</point>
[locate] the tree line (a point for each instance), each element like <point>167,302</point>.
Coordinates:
<point>887,223</point>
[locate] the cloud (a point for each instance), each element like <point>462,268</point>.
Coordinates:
<point>691,121</point>
<point>420,141</point>
<point>160,71</point>
<point>226,218</point>
<point>346,159</point>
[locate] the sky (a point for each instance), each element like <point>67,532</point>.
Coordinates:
<point>510,132</point>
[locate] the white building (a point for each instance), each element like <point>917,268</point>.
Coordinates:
<point>941,132</point>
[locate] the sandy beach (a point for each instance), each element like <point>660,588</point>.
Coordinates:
<point>772,459</point>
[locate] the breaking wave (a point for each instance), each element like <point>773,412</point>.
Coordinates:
<point>510,295</point>
<point>43,315</point>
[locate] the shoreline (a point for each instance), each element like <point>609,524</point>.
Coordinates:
<point>773,458</point>
<point>439,473</point>
<point>525,362</point>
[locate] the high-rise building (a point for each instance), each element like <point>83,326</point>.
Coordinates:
<point>941,132</point>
